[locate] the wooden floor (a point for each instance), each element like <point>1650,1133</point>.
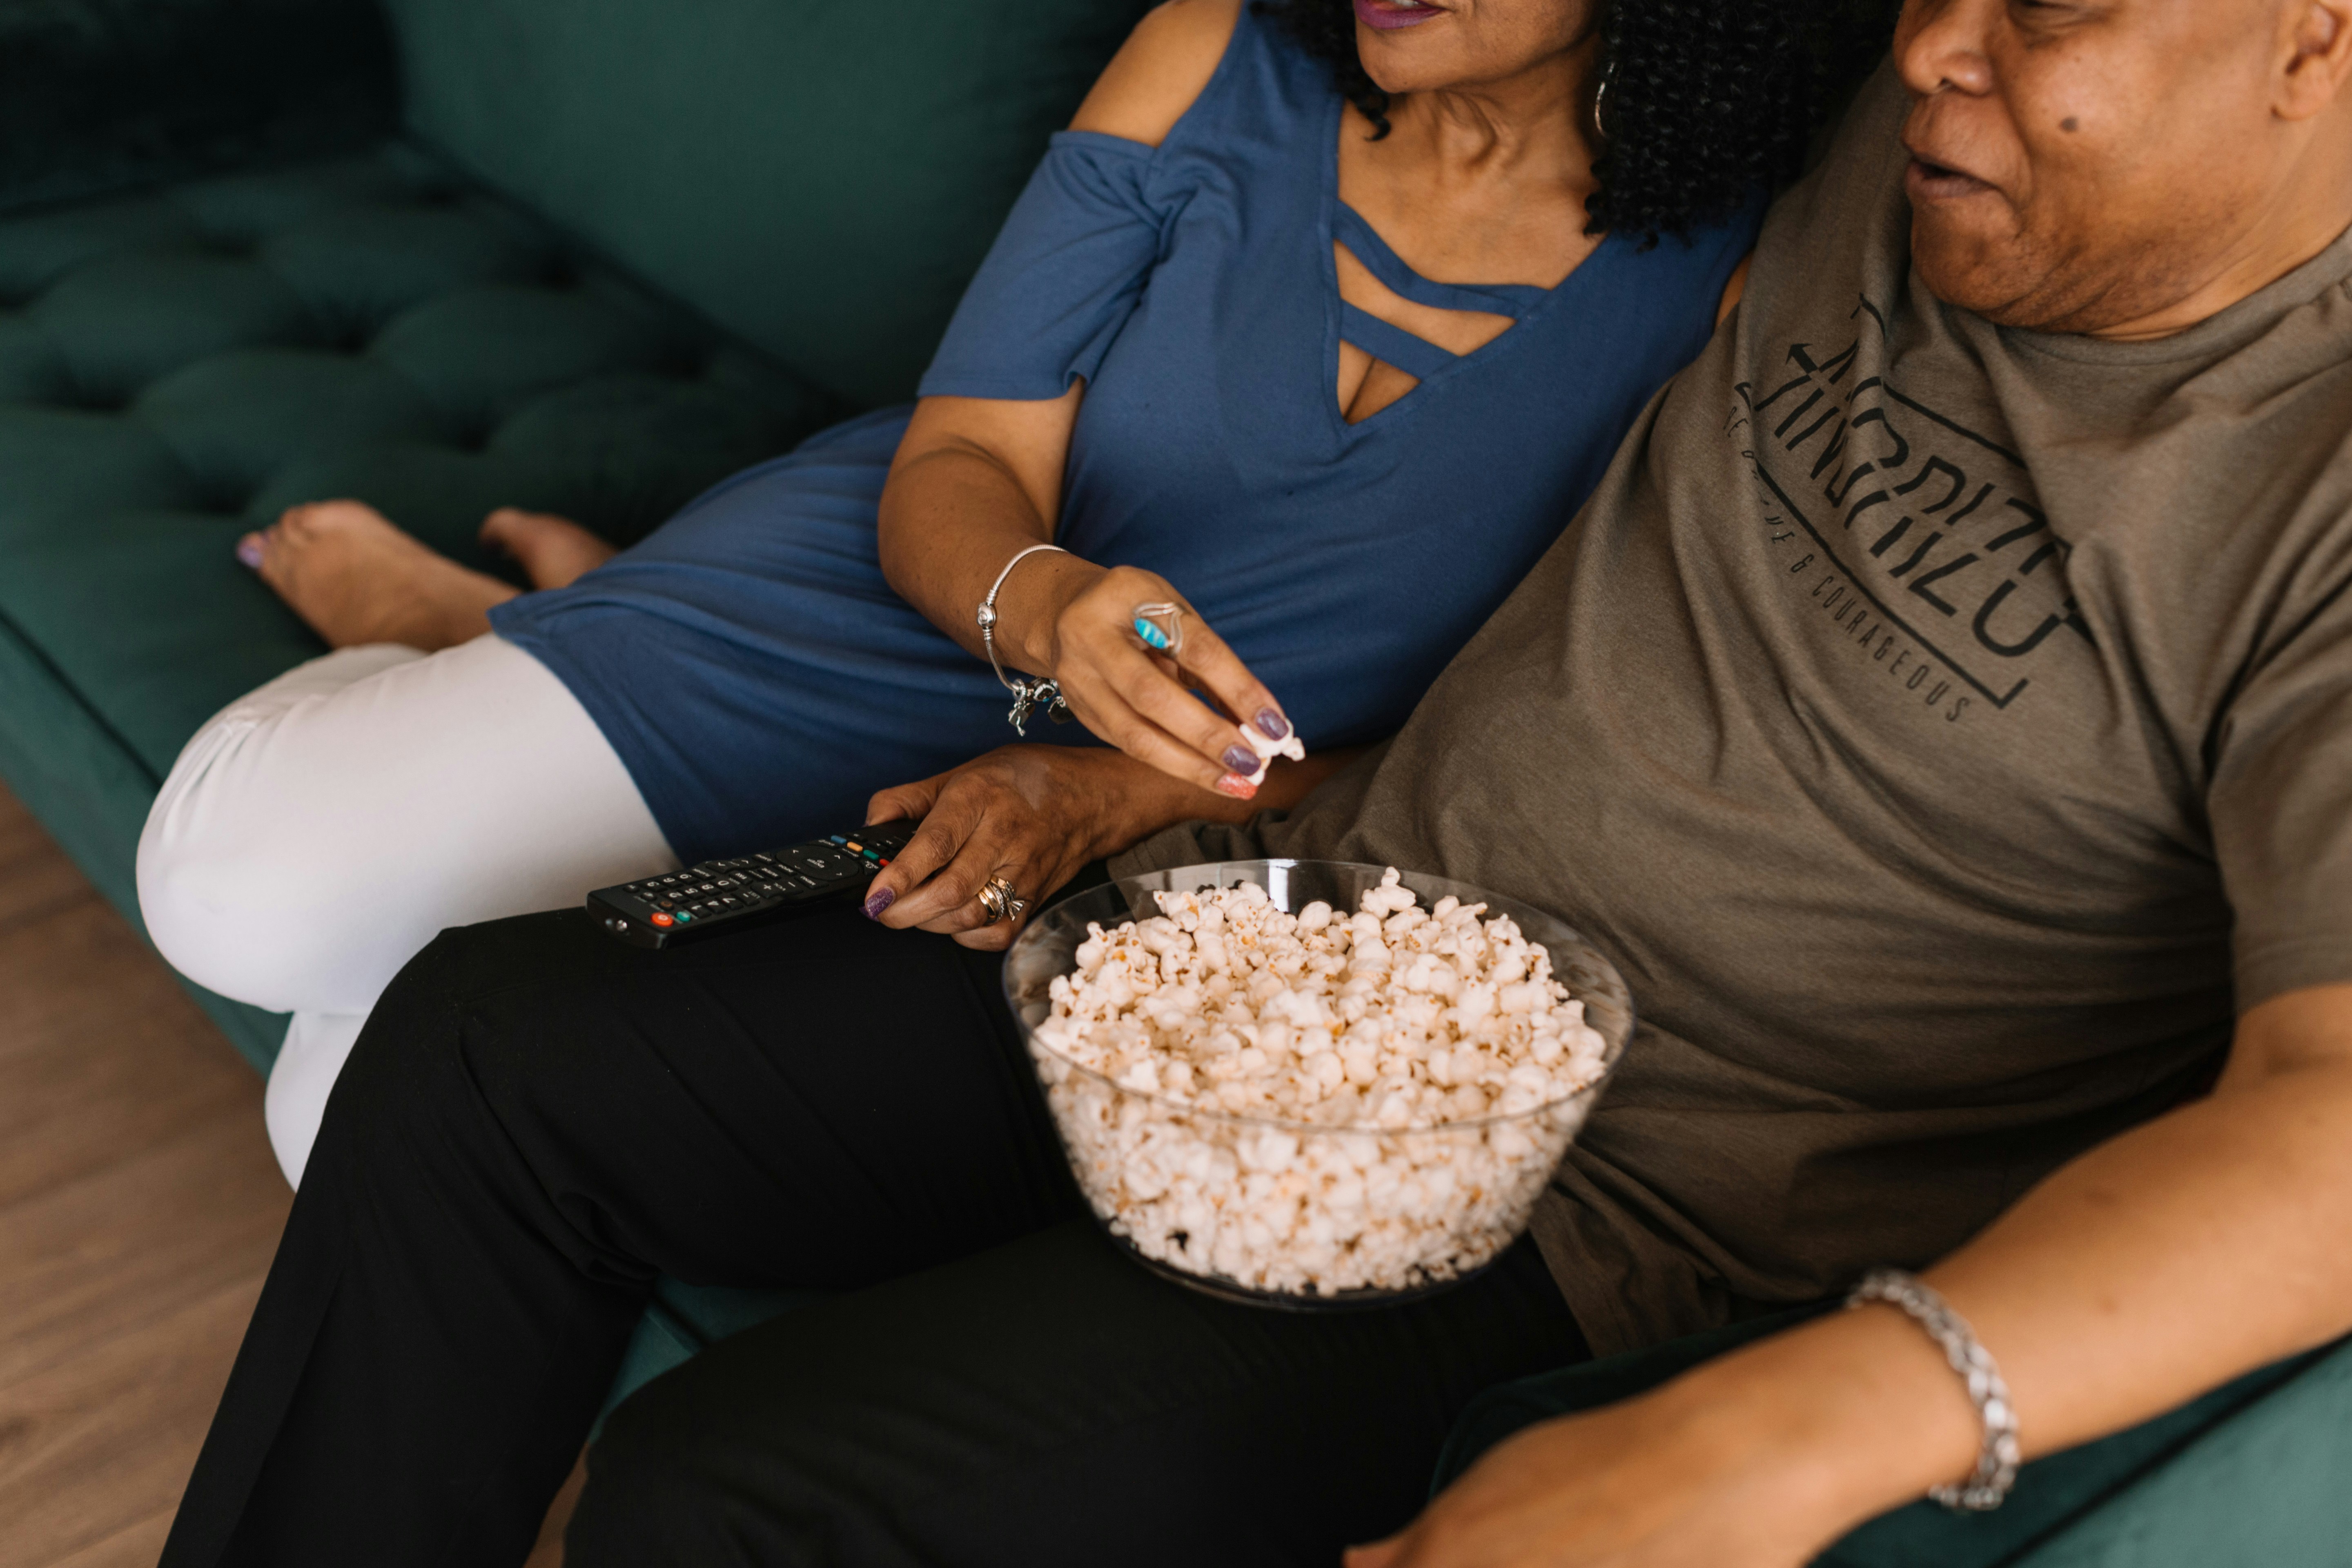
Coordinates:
<point>139,1206</point>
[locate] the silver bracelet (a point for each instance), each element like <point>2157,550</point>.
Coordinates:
<point>1029,693</point>
<point>1997,1457</point>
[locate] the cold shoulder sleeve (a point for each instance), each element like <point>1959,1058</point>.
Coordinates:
<point>1061,277</point>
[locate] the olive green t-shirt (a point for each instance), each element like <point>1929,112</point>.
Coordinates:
<point>1947,730</point>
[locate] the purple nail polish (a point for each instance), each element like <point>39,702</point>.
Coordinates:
<point>1240,759</point>
<point>1271,725</point>
<point>248,549</point>
<point>879,903</point>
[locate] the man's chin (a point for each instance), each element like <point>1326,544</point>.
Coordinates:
<point>1978,273</point>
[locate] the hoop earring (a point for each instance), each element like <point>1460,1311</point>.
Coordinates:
<point>1600,102</point>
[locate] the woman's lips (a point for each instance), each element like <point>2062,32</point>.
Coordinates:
<point>1390,14</point>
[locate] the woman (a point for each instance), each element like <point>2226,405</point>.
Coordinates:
<point>1207,363</point>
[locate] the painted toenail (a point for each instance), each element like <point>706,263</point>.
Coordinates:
<point>248,549</point>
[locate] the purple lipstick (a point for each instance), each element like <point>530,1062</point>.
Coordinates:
<point>1390,15</point>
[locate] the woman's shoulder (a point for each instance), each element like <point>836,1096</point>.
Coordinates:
<point>1161,70</point>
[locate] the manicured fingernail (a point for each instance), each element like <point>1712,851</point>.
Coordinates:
<point>1236,786</point>
<point>1240,759</point>
<point>878,903</point>
<point>1271,725</point>
<point>248,549</point>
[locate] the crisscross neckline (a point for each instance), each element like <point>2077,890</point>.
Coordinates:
<point>1424,360</point>
<point>1352,229</point>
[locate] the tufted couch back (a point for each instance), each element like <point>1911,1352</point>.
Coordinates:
<point>215,301</point>
<point>819,179</point>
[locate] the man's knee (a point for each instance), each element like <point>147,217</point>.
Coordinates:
<point>663,1488</point>
<point>477,1013</point>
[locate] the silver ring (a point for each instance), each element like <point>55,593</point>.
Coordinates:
<point>1002,900</point>
<point>1159,627</point>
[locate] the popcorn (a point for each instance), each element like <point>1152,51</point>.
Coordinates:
<point>1290,746</point>
<point>1405,1081</point>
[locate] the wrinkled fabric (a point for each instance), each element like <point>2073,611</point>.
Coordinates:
<point>1946,731</point>
<point>762,680</point>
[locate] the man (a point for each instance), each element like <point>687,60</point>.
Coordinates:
<point>1943,715</point>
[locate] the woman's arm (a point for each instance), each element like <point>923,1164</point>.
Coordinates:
<point>977,481</point>
<point>2199,1247</point>
<point>1034,815</point>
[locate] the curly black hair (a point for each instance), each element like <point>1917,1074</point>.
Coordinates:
<point>1709,101</point>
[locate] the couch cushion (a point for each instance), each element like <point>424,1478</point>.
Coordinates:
<point>97,95</point>
<point>822,180</point>
<point>180,366</point>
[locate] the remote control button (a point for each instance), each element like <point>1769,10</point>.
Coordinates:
<point>837,838</point>
<point>684,916</point>
<point>662,920</point>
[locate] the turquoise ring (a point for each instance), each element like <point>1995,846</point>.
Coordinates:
<point>1161,627</point>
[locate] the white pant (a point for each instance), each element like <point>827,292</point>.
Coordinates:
<point>314,835</point>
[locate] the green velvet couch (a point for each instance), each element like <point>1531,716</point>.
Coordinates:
<point>587,256</point>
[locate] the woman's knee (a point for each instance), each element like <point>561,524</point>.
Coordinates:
<point>250,900</point>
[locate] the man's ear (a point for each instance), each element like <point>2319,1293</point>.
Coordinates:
<point>2316,56</point>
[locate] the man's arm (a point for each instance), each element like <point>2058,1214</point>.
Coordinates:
<point>2202,1245</point>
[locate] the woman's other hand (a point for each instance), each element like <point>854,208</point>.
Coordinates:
<point>1033,815</point>
<point>1030,814</point>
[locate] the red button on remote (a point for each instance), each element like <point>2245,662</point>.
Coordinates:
<point>662,920</point>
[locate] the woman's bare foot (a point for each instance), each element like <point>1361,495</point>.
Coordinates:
<point>345,569</point>
<point>553,550</point>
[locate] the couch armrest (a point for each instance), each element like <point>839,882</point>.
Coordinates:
<point>99,95</point>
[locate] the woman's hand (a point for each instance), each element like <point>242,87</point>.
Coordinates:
<point>979,480</point>
<point>1076,622</point>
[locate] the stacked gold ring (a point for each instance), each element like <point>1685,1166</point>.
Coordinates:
<point>1002,900</point>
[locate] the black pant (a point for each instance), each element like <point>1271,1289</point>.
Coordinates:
<point>538,1122</point>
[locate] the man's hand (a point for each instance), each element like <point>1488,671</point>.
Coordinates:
<point>2151,1268</point>
<point>1666,1480</point>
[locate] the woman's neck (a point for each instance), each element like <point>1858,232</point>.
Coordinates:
<point>1532,128</point>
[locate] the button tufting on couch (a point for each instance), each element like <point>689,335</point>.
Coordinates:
<point>182,365</point>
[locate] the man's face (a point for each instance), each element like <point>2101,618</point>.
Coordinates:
<point>2080,164</point>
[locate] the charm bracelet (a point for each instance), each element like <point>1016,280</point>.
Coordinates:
<point>1029,693</point>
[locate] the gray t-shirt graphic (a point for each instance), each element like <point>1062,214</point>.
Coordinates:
<point>1947,728</point>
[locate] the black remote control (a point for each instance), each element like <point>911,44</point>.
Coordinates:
<point>728,895</point>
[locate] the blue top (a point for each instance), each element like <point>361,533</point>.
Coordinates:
<point>759,678</point>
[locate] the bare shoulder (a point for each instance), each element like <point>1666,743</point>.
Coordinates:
<point>1159,70</point>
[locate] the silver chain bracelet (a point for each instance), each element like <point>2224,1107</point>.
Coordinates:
<point>1029,693</point>
<point>1997,1457</point>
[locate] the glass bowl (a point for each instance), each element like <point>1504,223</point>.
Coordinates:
<point>1308,1215</point>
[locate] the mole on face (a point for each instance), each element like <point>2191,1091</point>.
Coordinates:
<point>2070,123</point>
